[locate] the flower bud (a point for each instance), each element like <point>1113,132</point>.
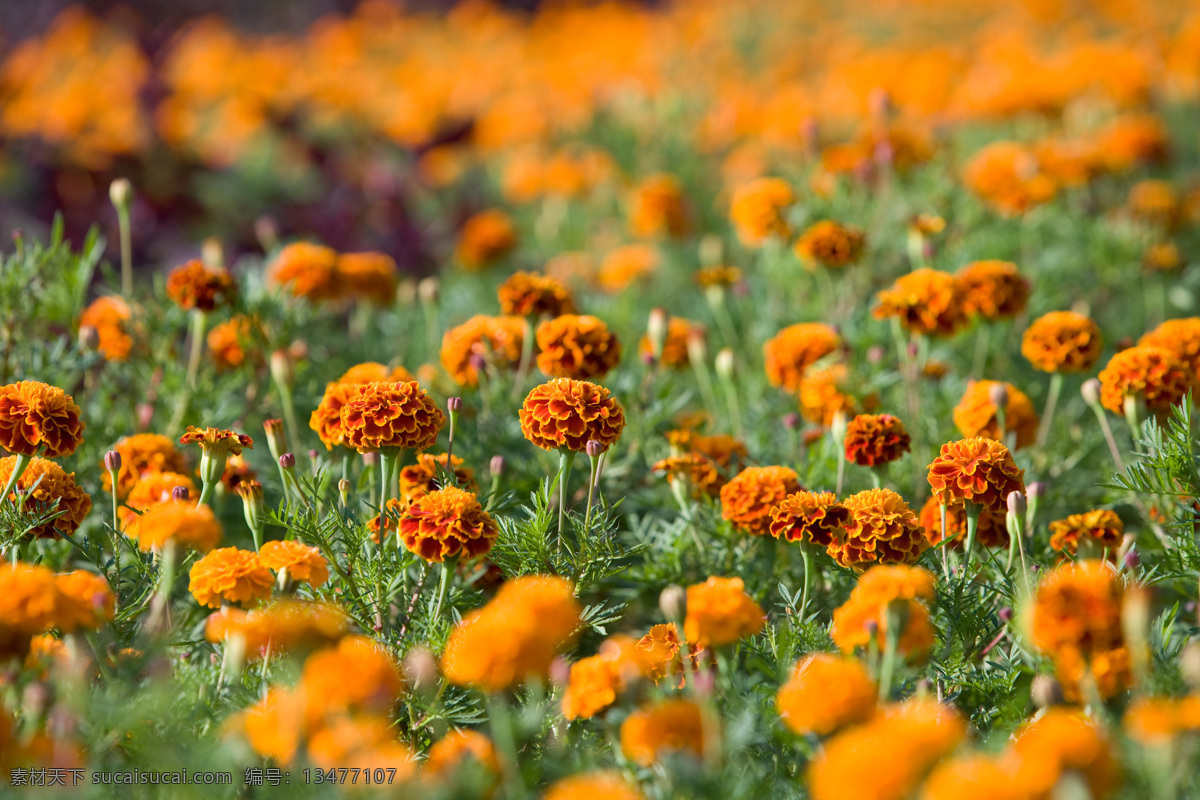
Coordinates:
<point>120,192</point>
<point>1016,504</point>
<point>496,466</point>
<point>672,601</point>
<point>89,338</point>
<point>998,395</point>
<point>838,425</point>
<point>421,668</point>
<point>1132,560</point>
<point>696,347</point>
<point>875,353</point>
<point>1046,692</point>
<point>428,290</point>
<point>180,494</point>
<point>1006,614</point>
<point>1091,392</point>
<point>725,364</point>
<point>1036,490</point>
<point>112,461</point>
<point>477,362</point>
<point>656,331</point>
<point>253,509</point>
<point>287,461</point>
<point>593,448</point>
<point>276,440</point>
<point>344,491</point>
<point>791,421</point>
<point>267,232</point>
<point>281,369</point>
<point>406,292</point>
<point>560,671</point>
<point>211,252</point>
<point>710,249</point>
<point>145,415</point>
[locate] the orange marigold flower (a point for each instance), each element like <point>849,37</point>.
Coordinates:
<point>307,270</point>
<point>484,239</point>
<point>626,266</point>
<point>183,522</point>
<point>30,603</point>
<point>1156,376</point>
<point>1154,202</point>
<point>830,244</point>
<point>237,470</point>
<point>457,748</point>
<point>302,562</point>
<point>925,301</point>
<point>657,653</point>
<point>975,414</point>
<point>758,210</point>
<point>445,524</point>
<point>882,528</point>
<point>665,727</point>
<point>1062,341</point>
<point>513,637</point>
<point>900,744</point>
<point>973,776</point>
<point>825,693</point>
<point>109,317</point>
<point>283,626</point>
<point>1008,177</point>
<point>658,208</point>
<point>374,372</point>
<point>825,392</point>
<point>371,276</point>
<point>1180,337</point>
<point>525,294</point>
<point>875,439</point>
<point>698,470</point>
<point>566,413</point>
<point>596,681</point>
<point>46,487</point>
<point>719,612</point>
<point>675,346</point>
<point>1156,720</point>
<point>229,575</point>
<point>418,480</point>
<point>391,415</point>
<point>1162,257</point>
<point>217,441</point>
<point>1132,139</point>
<point>992,289</point>
<point>360,742</point>
<point>36,418</point>
<point>87,601</point>
<point>572,268</point>
<point>495,340</point>
<point>867,607</point>
<point>978,470</point>
<point>273,726</point>
<point>991,528</point>
<point>1100,526</point>
<point>718,275</point>
<point>196,285</point>
<point>608,785</point>
<point>815,518</point>
<point>378,680</point>
<point>1058,742</point>
<point>579,347</point>
<point>227,342</point>
<point>326,420</point>
<point>796,348</point>
<point>143,454</point>
<point>747,500</point>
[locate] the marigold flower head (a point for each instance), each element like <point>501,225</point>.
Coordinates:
<point>360,742</point>
<point>1101,527</point>
<point>273,726</point>
<point>992,289</point>
<point>1133,139</point>
<point>391,415</point>
<point>1151,374</point>
<point>758,210</point>
<point>515,636</point>
<point>878,589</point>
<point>675,346</point>
<point>658,208</point>
<point>668,726</point>
<point>825,392</point>
<point>1008,177</point>
<point>46,487</point>
<point>525,294</point>
<point>925,301</point>
<point>975,414</point>
<point>458,747</point>
<point>378,680</point>
<point>609,785</point>
<point>227,341</point>
<point>566,413</point>
<point>38,419</point>
<point>830,244</point>
<point>719,612</point>
<point>1162,257</point>
<point>1060,741</point>
<point>698,470</point>
<point>30,603</point>
<point>302,562</point>
<point>418,480</point>
<point>445,524</point>
<point>187,524</point>
<point>143,454</point>
<point>1181,337</point>
<point>658,653</point>
<point>484,239</point>
<point>110,318</point>
<point>307,270</point>
<point>196,285</point>
<point>370,276</point>
<point>374,372</point>
<point>1154,202</point>
<point>625,266</point>
<point>718,275</point>
<point>283,626</point>
<point>978,470</point>
<point>216,441</point>
<point>579,347</point>
<point>991,529</point>
<point>815,518</point>
<point>825,693</point>
<point>748,498</point>
<point>87,601</point>
<point>796,348</point>
<point>237,471</point>
<point>497,340</point>
<point>973,776</point>
<point>326,420</point>
<point>1156,720</point>
<point>230,575</point>
<point>1062,341</point>
<point>875,439</point>
<point>595,682</point>
<point>881,528</point>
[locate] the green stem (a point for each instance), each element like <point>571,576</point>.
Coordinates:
<point>19,468</point>
<point>199,325</point>
<point>289,412</point>
<point>565,459</point>
<point>972,511</point>
<point>502,734</point>
<point>448,568</point>
<point>126,252</point>
<point>1056,382</point>
<point>116,539</point>
<point>896,619</point>
<point>807,555</point>
<point>593,478</point>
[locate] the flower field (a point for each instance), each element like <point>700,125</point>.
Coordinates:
<point>723,400</point>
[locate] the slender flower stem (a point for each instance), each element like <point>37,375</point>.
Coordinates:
<point>199,325</point>
<point>593,479</point>
<point>896,621</point>
<point>807,554</point>
<point>502,734</point>
<point>565,459</point>
<point>389,458</point>
<point>289,412</point>
<point>126,251</point>
<point>448,568</point>
<point>972,511</point>
<point>116,539</point>
<point>1056,382</point>
<point>18,470</point>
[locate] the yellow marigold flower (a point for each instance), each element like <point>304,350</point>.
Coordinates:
<point>30,603</point>
<point>46,487</point>
<point>992,289</point>
<point>283,626</point>
<point>326,420</point>
<point>302,562</point>
<point>484,239</point>
<point>665,727</point>
<point>882,528</point>
<point>195,285</point>
<point>625,266</point>
<point>87,601</point>
<point>1156,376</point>
<point>418,480</point>
<point>371,276</point>
<point>825,693</point>
<point>1062,341</point>
<point>747,500</point>
<point>810,517</point>
<point>877,589</point>
<point>566,413</point>
<point>38,419</point>
<point>495,340</point>
<point>230,575</point>
<point>758,210</point>
<point>110,318</point>
<point>825,392</point>
<point>378,680</point>
<point>579,347</point>
<point>374,372</point>
<point>307,270</point>
<point>1181,337</point>
<point>991,528</point>
<point>526,294</point>
<point>974,776</point>
<point>391,415</point>
<point>457,748</point>
<point>596,681</point>
<point>796,348</point>
<point>830,244</point>
<point>1060,741</point>
<point>216,441</point>
<point>227,341</point>
<point>445,524</point>
<point>717,275</point>
<point>1157,720</point>
<point>675,346</point>
<point>978,470</point>
<point>1008,177</point>
<point>719,612</point>
<point>1100,526</point>
<point>925,301</point>
<point>875,440</point>
<point>975,414</point>
<point>186,523</point>
<point>658,208</point>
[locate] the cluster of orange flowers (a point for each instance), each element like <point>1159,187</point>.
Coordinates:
<point>934,303</point>
<point>34,600</point>
<point>318,273</point>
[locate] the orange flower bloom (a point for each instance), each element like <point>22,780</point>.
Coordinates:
<point>830,244</point>
<point>1062,341</point>
<point>370,276</point>
<point>1063,741</point>
<point>566,413</point>
<point>418,480</point>
<point>882,528</point>
<point>975,414</point>
<point>758,210</point>
<point>610,786</point>
<point>658,208</point>
<point>626,266</point>
<point>374,372</point>
<point>195,285</point>
<point>307,270</point>
<point>992,289</point>
<point>825,392</point>
<point>237,470</point>
<point>391,415</point>
<point>109,317</point>
<point>991,528</point>
<point>796,348</point>
<point>1156,376</point>
<point>719,612</point>
<point>1180,337</point>
<point>596,681</point>
<point>1008,177</point>
<point>1162,257</point>
<point>184,522</point>
<point>227,342</point>
<point>747,500</point>
<point>447,523</point>
<point>973,776</point>
<point>217,441</point>
<point>46,487</point>
<point>497,340</point>
<point>273,726</point>
<point>229,575</point>
<point>578,347</point>
<point>718,275</point>
<point>1132,139</point>
<point>809,517</point>
<point>876,589</point>
<point>525,294</point>
<point>825,693</point>
<point>484,239</point>
<point>87,601</point>
<point>978,470</point>
<point>668,726</point>
<point>874,440</point>
<point>926,301</point>
<point>143,454</point>
<point>36,417</point>
<point>658,653</point>
<point>30,603</point>
<point>698,470</point>
<point>378,681</point>
<point>1101,526</point>
<point>675,347</point>
<point>283,626</point>
<point>457,748</point>
<point>326,420</point>
<point>302,562</point>
<point>360,742</point>
<point>1154,202</point>
<point>1156,720</point>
